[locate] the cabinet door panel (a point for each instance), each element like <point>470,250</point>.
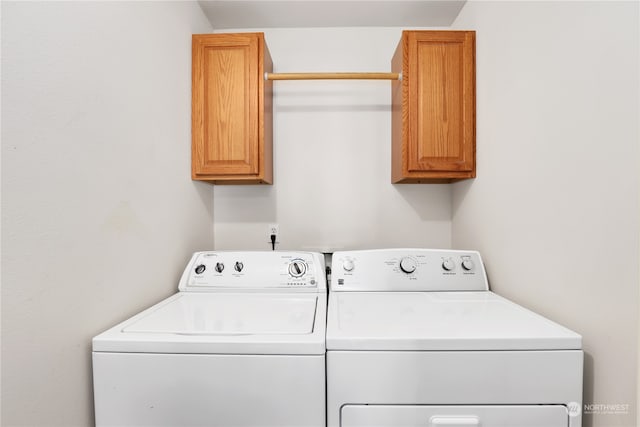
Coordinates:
<point>225,105</point>
<point>228,105</point>
<point>433,107</point>
<point>440,114</point>
<point>440,138</point>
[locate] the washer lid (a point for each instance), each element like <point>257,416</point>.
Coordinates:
<point>439,321</point>
<point>229,314</point>
<point>223,323</point>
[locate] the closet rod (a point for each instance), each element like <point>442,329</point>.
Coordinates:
<point>332,76</point>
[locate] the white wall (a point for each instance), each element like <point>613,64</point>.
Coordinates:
<point>99,214</point>
<point>95,170</point>
<point>554,209</point>
<point>332,146</point>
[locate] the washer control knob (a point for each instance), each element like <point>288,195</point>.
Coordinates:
<point>297,268</point>
<point>238,267</point>
<point>467,264</point>
<point>348,265</point>
<point>408,265</point>
<point>448,264</point>
<point>219,267</point>
<point>201,268</point>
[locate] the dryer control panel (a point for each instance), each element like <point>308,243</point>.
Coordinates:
<point>408,270</point>
<point>260,270</point>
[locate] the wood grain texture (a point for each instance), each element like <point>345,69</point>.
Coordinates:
<point>332,76</point>
<point>399,90</point>
<point>228,109</point>
<point>438,108</point>
<point>266,115</point>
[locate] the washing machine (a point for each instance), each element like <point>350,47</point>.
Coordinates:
<point>416,338</point>
<point>241,344</point>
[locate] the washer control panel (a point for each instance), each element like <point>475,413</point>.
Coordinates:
<point>408,270</point>
<point>226,270</point>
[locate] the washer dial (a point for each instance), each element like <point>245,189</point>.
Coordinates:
<point>448,264</point>
<point>408,265</point>
<point>467,264</point>
<point>348,265</point>
<point>297,268</point>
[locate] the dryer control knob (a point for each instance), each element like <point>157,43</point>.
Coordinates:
<point>201,268</point>
<point>238,267</point>
<point>348,265</point>
<point>448,264</point>
<point>408,265</point>
<point>219,267</point>
<point>297,268</point>
<point>467,264</point>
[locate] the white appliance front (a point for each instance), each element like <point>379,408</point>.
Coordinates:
<point>496,379</point>
<point>165,389</point>
<point>415,338</point>
<point>451,416</point>
<point>224,351</point>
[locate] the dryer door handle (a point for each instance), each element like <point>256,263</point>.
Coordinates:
<point>455,421</point>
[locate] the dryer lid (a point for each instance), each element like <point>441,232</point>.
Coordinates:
<point>229,314</point>
<point>439,321</point>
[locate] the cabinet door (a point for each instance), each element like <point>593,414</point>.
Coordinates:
<point>434,123</point>
<point>228,111</point>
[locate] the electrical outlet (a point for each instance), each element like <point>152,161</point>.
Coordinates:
<point>273,230</point>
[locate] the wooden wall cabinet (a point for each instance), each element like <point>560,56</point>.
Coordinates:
<point>433,107</point>
<point>232,135</point>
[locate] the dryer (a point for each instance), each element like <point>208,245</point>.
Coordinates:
<point>241,344</point>
<point>416,338</point>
